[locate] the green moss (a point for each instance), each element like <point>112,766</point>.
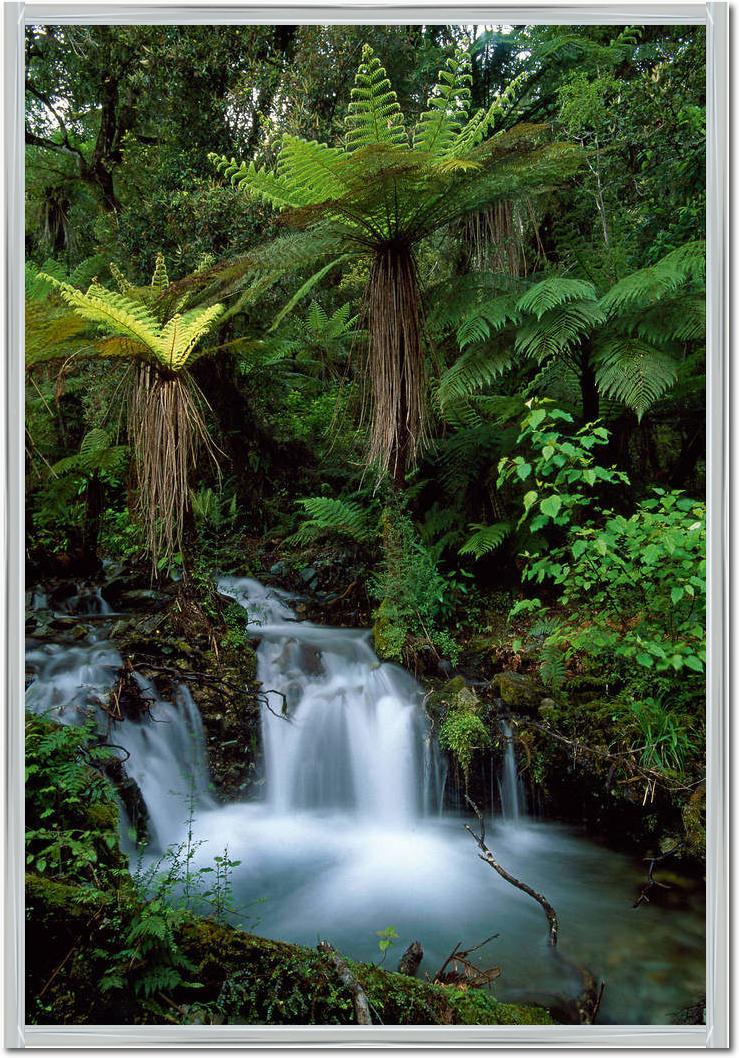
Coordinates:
<point>517,690</point>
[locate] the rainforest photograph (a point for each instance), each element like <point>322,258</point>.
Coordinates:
<point>365,464</point>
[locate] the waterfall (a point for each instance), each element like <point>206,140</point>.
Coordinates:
<point>166,749</point>
<point>341,731</point>
<point>512,793</point>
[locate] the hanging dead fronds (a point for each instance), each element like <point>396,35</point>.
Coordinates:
<point>393,316</point>
<point>496,236</point>
<point>167,427</point>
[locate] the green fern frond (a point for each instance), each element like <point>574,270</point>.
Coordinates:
<point>552,292</point>
<point>633,372</point>
<point>159,279</point>
<point>171,346</point>
<point>485,539</point>
<point>478,366</point>
<point>328,515</point>
<point>685,265</point>
<point>439,126</point>
<point>558,330</point>
<point>96,454</point>
<point>374,115</point>
<point>276,191</point>
<point>312,168</point>
<point>487,317</point>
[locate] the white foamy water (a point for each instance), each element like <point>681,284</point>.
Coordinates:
<point>347,836</point>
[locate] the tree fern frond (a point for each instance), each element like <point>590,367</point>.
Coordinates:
<point>488,316</point>
<point>558,330</point>
<point>630,370</point>
<point>648,285</point>
<point>311,166</point>
<point>374,115</point>
<point>277,191</point>
<point>448,104</point>
<point>159,279</point>
<point>478,366</point>
<point>552,292</point>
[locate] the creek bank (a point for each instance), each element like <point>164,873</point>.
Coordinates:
<point>79,918</point>
<point>574,760</point>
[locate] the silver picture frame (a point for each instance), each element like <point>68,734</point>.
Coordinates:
<point>715,1034</point>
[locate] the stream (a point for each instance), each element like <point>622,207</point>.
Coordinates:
<point>350,835</point>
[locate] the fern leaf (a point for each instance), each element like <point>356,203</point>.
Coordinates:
<point>160,279</point>
<point>374,115</point>
<point>685,265</point>
<point>552,292</point>
<point>485,539</point>
<point>448,105</point>
<point>633,372</point>
<point>558,330</point>
<point>326,514</point>
<point>478,366</point>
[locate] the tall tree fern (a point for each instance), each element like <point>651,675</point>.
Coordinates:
<point>376,197</point>
<point>150,328</point>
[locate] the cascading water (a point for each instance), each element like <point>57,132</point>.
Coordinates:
<point>512,793</point>
<point>347,836</point>
<point>165,751</point>
<point>342,731</point>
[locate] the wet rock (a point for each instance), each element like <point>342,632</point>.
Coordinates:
<point>517,691</point>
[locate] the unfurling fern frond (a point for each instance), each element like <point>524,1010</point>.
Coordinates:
<point>160,279</point>
<point>328,515</point>
<point>554,291</point>
<point>485,539</point>
<point>633,372</point>
<point>374,115</point>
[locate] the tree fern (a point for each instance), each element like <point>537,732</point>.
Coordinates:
<point>375,197</point>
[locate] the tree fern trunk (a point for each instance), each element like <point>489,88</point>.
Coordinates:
<point>397,372</point>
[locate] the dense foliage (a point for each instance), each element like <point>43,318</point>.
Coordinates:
<point>408,318</point>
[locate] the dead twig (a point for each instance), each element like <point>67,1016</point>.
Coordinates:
<point>652,882</point>
<point>489,858</point>
<point>347,978</point>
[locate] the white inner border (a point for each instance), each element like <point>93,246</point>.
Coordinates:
<point>715,1033</point>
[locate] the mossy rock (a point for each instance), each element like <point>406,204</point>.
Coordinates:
<point>517,690</point>
<point>455,694</point>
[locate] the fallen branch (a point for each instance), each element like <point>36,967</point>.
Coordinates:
<point>489,858</point>
<point>347,978</point>
<point>473,975</point>
<point>652,882</point>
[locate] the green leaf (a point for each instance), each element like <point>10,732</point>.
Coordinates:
<point>676,594</point>
<point>551,506</point>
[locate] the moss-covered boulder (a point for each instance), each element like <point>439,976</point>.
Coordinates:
<point>518,691</point>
